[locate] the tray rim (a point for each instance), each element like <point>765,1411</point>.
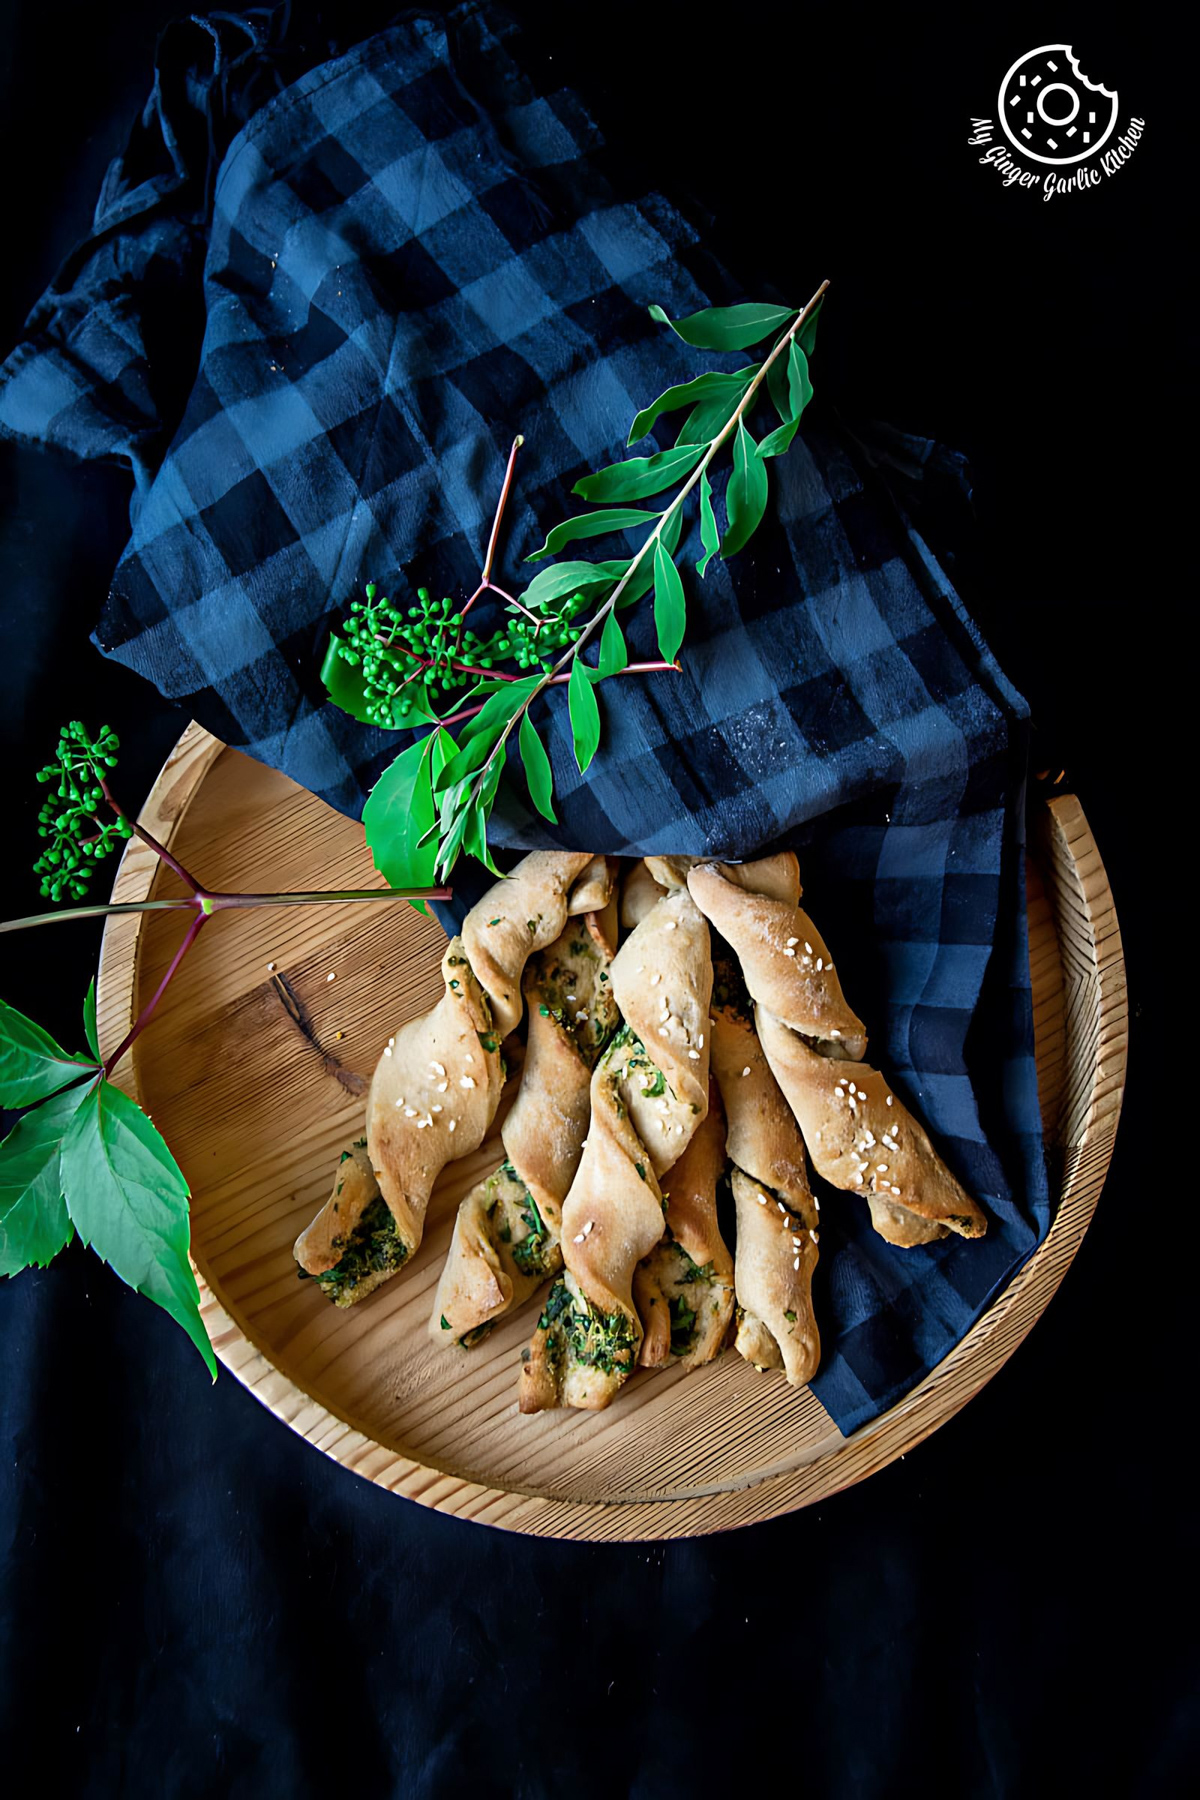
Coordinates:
<point>1092,961</point>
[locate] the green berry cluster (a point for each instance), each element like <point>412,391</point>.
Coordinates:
<point>78,839</point>
<point>425,652</point>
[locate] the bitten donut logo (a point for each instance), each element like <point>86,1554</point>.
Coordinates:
<point>1051,114</point>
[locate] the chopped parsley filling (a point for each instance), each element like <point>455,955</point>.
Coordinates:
<point>594,1339</point>
<point>373,1247</point>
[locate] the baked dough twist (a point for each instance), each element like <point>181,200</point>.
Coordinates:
<point>815,1044</point>
<point>649,1094</point>
<point>437,1085</point>
<point>683,1290</point>
<point>507,1235</point>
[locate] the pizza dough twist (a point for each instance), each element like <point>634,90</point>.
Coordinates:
<point>437,1085</point>
<point>649,1094</point>
<point>815,1044</point>
<point>507,1235</point>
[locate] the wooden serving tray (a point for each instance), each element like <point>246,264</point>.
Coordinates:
<point>252,1079</point>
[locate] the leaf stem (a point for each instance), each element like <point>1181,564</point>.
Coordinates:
<point>731,424</point>
<point>222,903</point>
<point>485,574</point>
<point>143,1018</point>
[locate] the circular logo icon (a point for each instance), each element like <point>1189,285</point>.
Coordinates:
<point>1050,111</point>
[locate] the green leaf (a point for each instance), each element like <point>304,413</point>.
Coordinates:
<point>89,1019</point>
<point>585,714</point>
<point>572,578</point>
<point>344,685</point>
<point>478,735</point>
<point>709,536</point>
<point>34,1224</point>
<point>639,476</point>
<point>400,810</point>
<point>806,337</point>
<point>643,579</point>
<point>711,386</point>
<point>790,400</point>
<point>538,772</point>
<point>670,605</point>
<point>32,1065</point>
<point>727,327</point>
<point>708,420</point>
<point>614,656</point>
<point>589,525</point>
<point>746,495</point>
<point>475,836</point>
<point>451,843</point>
<point>128,1199</point>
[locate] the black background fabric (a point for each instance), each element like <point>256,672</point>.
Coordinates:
<point>196,1603</point>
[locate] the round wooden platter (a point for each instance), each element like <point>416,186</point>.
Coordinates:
<point>254,1069</point>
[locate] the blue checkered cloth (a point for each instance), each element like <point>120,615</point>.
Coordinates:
<point>407,255</point>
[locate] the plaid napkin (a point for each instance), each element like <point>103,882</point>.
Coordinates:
<point>406,255</point>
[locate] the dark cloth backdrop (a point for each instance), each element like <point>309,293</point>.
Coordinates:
<point>193,1602</point>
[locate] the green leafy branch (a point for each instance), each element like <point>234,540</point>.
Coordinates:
<point>434,801</point>
<point>83,1158</point>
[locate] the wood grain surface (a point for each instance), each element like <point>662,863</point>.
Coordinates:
<point>253,1070</point>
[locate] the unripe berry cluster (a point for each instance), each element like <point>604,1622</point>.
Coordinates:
<point>77,838</point>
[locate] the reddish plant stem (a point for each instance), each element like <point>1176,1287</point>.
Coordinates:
<point>160,850</point>
<point>485,575</point>
<point>143,1018</point>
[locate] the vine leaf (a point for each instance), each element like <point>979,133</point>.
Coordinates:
<point>670,605</point>
<point>585,713</point>
<point>538,772</point>
<point>614,656</point>
<point>709,535</point>
<point>32,1065</point>
<point>791,390</point>
<point>128,1198</point>
<point>688,393</point>
<point>89,1019</point>
<point>588,525</point>
<point>727,327</point>
<point>400,810</point>
<point>34,1222</point>
<point>746,494</point>
<point>639,476</point>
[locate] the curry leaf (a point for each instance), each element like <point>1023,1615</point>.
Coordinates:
<point>32,1065</point>
<point>709,536</point>
<point>538,772</point>
<point>128,1198</point>
<point>400,810</point>
<point>712,386</point>
<point>639,476</point>
<point>791,396</point>
<point>746,494</point>
<point>571,578</point>
<point>670,605</point>
<point>584,712</point>
<point>34,1223</point>
<point>614,655</point>
<point>727,327</point>
<point>588,525</point>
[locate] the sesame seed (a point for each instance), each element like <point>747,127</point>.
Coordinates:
<point>655,978</point>
<point>271,966</point>
<point>782,1208</point>
<point>668,925</point>
<point>792,941</point>
<point>895,1190</point>
<point>437,1068</point>
<point>679,1131</point>
<point>453,1125</point>
<point>422,1123</point>
<point>834,1032</point>
<point>329,977</point>
<point>578,1240</point>
<point>746,1070</point>
<point>812,1234</point>
<point>467,1081</point>
<point>410,1112</point>
<point>588,1227</point>
<point>816,1203</point>
<point>820,965</point>
<point>761,1198</point>
<point>789,953</point>
<point>858,1180</point>
<point>796,1264</point>
<point>808,948</point>
<point>888,1101</point>
<point>700,1040</point>
<point>442,1086</point>
<point>881,1168</point>
<point>694,1055</point>
<point>388,1050</point>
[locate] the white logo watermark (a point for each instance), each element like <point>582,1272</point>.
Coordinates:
<point>1051,114</point>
